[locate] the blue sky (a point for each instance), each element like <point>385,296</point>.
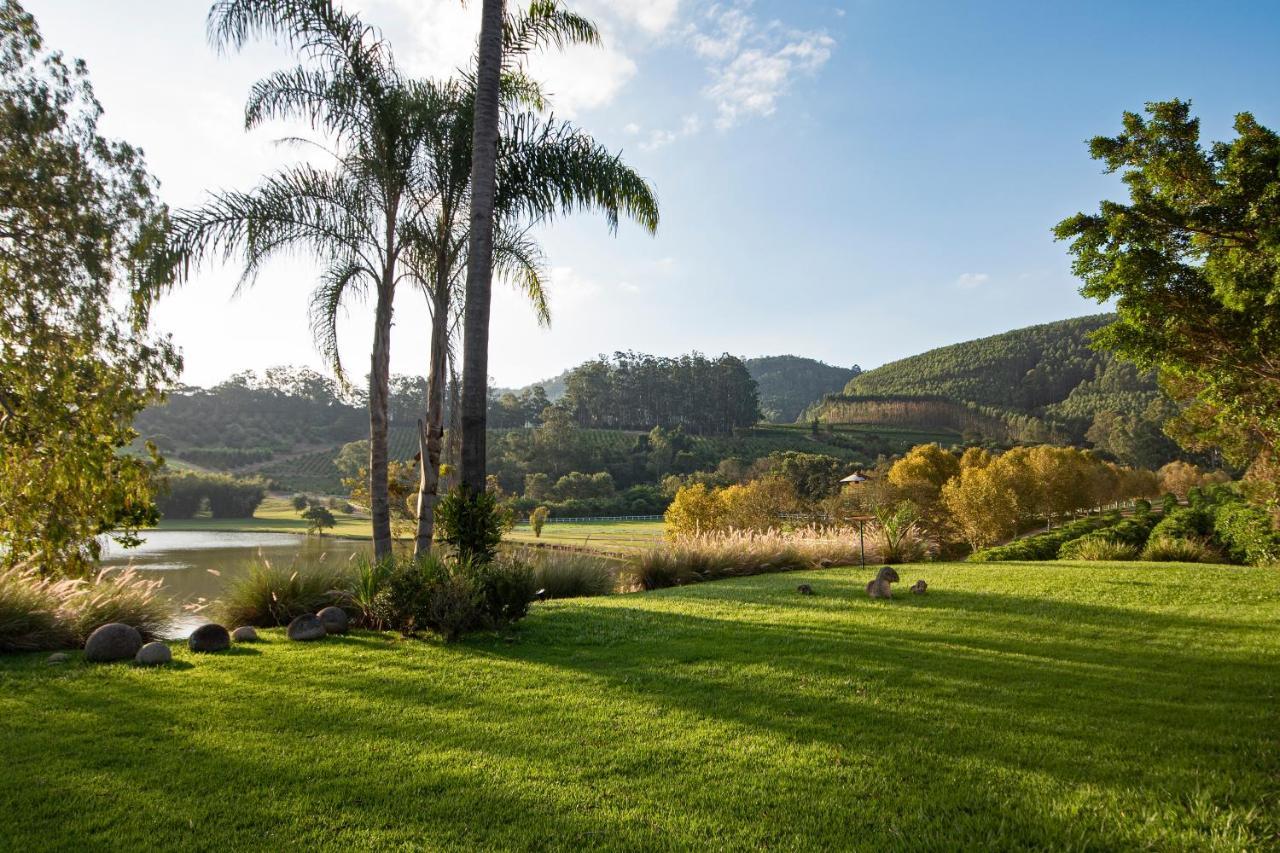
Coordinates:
<point>853,181</point>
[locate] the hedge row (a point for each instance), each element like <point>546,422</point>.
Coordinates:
<point>1130,531</point>
<point>1044,546</point>
<point>1246,533</point>
<point>183,495</point>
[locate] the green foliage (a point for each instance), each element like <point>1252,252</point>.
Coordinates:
<point>318,518</point>
<point>537,518</point>
<point>81,263</point>
<point>1097,549</point>
<point>504,588</point>
<point>1191,263</point>
<point>571,574</point>
<point>813,476</point>
<point>300,502</point>
<point>40,613</point>
<point>1183,523</point>
<point>1044,546</point>
<point>635,391</point>
<point>1168,549</point>
<point>788,384</point>
<point>267,594</point>
<point>184,493</point>
<point>472,524</point>
<point>1246,533</point>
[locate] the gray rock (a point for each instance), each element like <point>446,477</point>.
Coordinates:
<point>919,587</point>
<point>58,657</point>
<point>209,638</point>
<point>804,589</point>
<point>153,654</point>
<point>113,641</point>
<point>306,627</point>
<point>334,620</point>
<point>245,634</point>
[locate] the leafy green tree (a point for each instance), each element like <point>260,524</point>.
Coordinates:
<point>81,263</point>
<point>318,518</point>
<point>538,519</point>
<point>1192,262</point>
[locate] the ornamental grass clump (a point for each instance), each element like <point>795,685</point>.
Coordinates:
<point>737,553</point>
<point>1099,549</point>
<point>40,614</point>
<point>570,574</point>
<point>1169,549</point>
<point>31,612</point>
<point>269,595</point>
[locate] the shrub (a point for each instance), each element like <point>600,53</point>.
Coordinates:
<point>1183,523</point>
<point>318,518</point>
<point>300,502</point>
<point>537,519</point>
<point>267,595</point>
<point>897,535</point>
<point>1043,546</point>
<point>123,596</point>
<point>368,578</point>
<point>1167,549</point>
<point>504,589</point>
<point>1246,533</point>
<point>183,493</point>
<point>570,574</point>
<point>1169,502</point>
<point>472,524</point>
<point>1099,548</point>
<point>31,612</point>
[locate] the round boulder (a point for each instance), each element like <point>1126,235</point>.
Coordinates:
<point>306,627</point>
<point>245,634</point>
<point>334,620</point>
<point>113,641</point>
<point>209,638</point>
<point>153,654</point>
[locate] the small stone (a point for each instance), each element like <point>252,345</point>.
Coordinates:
<point>804,589</point>
<point>113,641</point>
<point>209,638</point>
<point>245,634</point>
<point>153,654</point>
<point>919,587</point>
<point>334,620</point>
<point>306,627</point>
<point>58,657</point>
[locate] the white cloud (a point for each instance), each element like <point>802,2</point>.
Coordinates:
<point>581,77</point>
<point>752,64</point>
<point>658,137</point>
<point>631,128</point>
<point>970,280</point>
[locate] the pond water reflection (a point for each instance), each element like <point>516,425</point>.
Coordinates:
<point>196,565</point>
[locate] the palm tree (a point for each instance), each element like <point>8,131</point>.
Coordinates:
<point>352,215</point>
<point>543,168</point>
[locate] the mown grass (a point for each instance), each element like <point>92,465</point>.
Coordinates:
<point>274,515</point>
<point>617,536</point>
<point>1082,706</point>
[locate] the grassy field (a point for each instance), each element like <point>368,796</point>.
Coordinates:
<point>614,536</point>
<point>1131,706</point>
<point>274,515</point>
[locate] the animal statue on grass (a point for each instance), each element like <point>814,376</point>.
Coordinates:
<point>919,587</point>
<point>804,589</point>
<point>879,588</point>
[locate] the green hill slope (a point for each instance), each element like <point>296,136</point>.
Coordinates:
<point>788,384</point>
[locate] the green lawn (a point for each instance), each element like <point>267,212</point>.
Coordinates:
<point>274,515</point>
<point>615,536</point>
<point>1019,706</point>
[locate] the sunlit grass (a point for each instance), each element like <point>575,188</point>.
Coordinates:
<point>1081,706</point>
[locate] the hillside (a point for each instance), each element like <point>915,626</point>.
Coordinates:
<point>788,384</point>
<point>1038,383</point>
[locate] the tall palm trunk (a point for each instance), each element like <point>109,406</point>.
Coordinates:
<point>379,393</point>
<point>431,434</point>
<point>484,156</point>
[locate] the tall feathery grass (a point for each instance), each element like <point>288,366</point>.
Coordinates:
<point>267,595</point>
<point>1172,549</point>
<point>738,553</point>
<point>41,614</point>
<point>570,574</point>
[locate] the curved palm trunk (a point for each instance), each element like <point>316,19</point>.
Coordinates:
<point>379,394</point>
<point>484,148</point>
<point>431,434</point>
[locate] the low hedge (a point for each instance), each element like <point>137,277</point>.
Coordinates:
<point>1246,533</point>
<point>1129,533</point>
<point>1044,546</point>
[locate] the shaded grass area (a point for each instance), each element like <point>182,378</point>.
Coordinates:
<point>1029,705</point>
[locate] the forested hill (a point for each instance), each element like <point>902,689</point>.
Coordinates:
<point>1039,383</point>
<point>1021,371</point>
<point>788,384</point>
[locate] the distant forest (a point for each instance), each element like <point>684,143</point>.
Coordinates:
<point>788,384</point>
